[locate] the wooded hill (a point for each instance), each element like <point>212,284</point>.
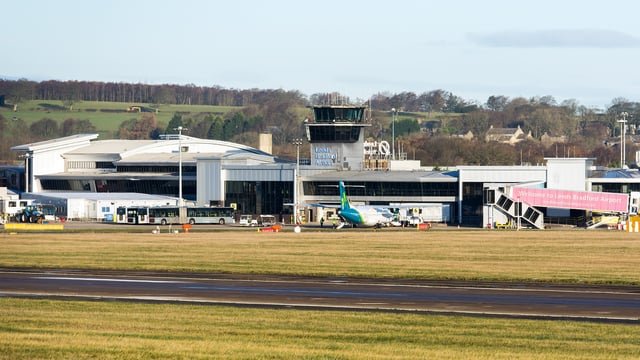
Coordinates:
<point>425,124</point>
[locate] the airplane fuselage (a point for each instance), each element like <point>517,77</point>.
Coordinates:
<point>362,215</point>
<point>365,216</point>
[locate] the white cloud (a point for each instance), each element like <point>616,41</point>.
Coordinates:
<point>577,38</point>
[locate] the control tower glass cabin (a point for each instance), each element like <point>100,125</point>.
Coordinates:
<point>336,136</point>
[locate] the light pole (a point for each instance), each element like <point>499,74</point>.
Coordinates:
<point>27,156</point>
<point>297,143</point>
<point>26,173</point>
<point>180,129</point>
<point>393,133</point>
<point>623,125</point>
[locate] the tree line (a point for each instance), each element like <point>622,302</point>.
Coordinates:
<point>69,92</point>
<point>424,122</point>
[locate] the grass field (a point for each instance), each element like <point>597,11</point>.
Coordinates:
<point>598,257</point>
<point>79,329</point>
<point>44,329</point>
<point>105,116</point>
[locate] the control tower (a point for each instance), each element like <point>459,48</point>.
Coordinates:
<point>336,135</point>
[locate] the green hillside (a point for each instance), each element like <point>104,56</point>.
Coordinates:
<point>106,116</point>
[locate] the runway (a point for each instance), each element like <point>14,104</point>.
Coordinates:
<point>616,304</point>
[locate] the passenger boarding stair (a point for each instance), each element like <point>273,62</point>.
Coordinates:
<point>515,210</point>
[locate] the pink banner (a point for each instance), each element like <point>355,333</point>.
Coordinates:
<point>566,199</point>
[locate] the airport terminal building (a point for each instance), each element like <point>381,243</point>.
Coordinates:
<point>218,173</point>
<point>212,172</point>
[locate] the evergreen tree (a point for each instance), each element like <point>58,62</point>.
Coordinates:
<point>175,121</point>
<point>215,130</point>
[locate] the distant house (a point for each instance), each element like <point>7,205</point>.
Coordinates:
<point>506,135</point>
<point>547,139</point>
<point>462,134</point>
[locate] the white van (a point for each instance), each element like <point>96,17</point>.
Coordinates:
<point>247,220</point>
<point>266,220</point>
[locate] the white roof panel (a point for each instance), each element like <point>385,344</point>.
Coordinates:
<point>103,196</point>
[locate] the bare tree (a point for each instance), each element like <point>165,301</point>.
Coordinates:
<point>497,102</point>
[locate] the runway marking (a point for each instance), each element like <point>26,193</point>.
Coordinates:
<point>498,288</point>
<point>532,315</point>
<point>371,303</point>
<point>346,282</point>
<point>291,291</point>
<point>363,284</point>
<point>429,286</point>
<point>110,280</point>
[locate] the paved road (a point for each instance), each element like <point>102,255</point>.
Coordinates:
<point>587,303</point>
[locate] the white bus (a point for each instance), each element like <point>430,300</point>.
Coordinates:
<point>163,215</point>
<point>211,215</point>
<point>132,215</point>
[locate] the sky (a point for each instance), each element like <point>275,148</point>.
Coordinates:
<point>584,50</point>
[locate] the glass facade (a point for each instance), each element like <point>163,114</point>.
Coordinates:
<point>472,203</point>
<point>621,188</point>
<point>260,197</point>
<point>251,197</point>
<point>325,114</point>
<point>154,187</point>
<point>330,133</point>
<point>379,189</point>
<point>155,169</point>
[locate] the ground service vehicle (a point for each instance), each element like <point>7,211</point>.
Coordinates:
<point>30,214</point>
<point>266,220</point>
<point>248,220</point>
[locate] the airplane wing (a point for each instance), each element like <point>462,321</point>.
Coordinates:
<point>337,206</point>
<point>385,212</point>
<point>333,206</point>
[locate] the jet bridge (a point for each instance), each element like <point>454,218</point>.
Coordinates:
<point>519,213</point>
<point>577,200</point>
<point>521,203</point>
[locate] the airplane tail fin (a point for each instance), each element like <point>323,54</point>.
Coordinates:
<point>344,202</point>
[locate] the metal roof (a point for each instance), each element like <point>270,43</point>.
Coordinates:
<point>111,146</point>
<point>82,144</point>
<point>110,175</point>
<point>162,158</point>
<point>616,174</point>
<point>73,140</point>
<point>387,176</point>
<point>102,196</point>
